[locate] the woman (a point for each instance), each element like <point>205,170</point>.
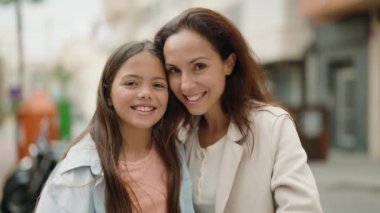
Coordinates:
<point>127,159</point>
<point>244,155</point>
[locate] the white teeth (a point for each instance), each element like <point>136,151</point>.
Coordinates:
<point>194,98</point>
<point>144,109</point>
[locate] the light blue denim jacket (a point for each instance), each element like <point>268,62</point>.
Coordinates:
<point>77,183</point>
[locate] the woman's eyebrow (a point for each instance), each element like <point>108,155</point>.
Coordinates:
<point>197,58</point>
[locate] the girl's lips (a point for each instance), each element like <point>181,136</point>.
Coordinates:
<point>143,108</point>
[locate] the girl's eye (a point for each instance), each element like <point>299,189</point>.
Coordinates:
<point>199,66</point>
<point>130,84</point>
<point>159,85</point>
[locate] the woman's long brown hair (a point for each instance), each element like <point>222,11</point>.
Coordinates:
<point>246,86</point>
<point>104,130</point>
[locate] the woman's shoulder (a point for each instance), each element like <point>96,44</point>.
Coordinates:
<point>267,115</point>
<point>269,111</point>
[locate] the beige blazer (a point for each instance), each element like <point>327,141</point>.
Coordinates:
<point>274,177</point>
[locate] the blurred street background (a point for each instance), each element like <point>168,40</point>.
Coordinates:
<point>322,57</point>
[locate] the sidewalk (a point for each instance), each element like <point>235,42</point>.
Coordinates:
<point>348,182</point>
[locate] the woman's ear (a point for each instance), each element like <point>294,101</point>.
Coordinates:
<point>230,63</point>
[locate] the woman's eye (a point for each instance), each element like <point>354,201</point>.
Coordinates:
<point>199,66</point>
<point>172,70</point>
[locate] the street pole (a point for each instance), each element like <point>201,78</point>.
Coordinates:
<point>20,70</point>
<point>20,47</point>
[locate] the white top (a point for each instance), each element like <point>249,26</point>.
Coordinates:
<point>204,165</point>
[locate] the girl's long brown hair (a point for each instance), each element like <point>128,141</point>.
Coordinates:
<point>104,130</point>
<point>246,86</point>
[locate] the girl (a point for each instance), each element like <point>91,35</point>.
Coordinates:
<point>244,155</point>
<point>127,159</point>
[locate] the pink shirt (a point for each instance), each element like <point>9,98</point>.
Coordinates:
<point>147,178</point>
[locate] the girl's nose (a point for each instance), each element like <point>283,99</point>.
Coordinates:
<point>144,93</point>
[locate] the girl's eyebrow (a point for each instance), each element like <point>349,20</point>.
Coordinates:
<point>139,77</point>
<point>131,76</point>
<point>159,78</point>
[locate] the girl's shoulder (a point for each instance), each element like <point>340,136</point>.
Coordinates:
<point>76,183</point>
<point>80,165</point>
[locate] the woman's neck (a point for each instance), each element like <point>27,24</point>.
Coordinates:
<point>212,127</point>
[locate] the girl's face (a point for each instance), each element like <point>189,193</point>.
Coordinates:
<point>197,74</point>
<point>139,92</point>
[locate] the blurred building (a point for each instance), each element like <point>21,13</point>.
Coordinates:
<point>319,55</point>
<point>277,33</point>
<point>2,94</point>
<point>345,62</point>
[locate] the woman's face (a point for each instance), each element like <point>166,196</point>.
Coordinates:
<point>139,92</point>
<point>197,74</point>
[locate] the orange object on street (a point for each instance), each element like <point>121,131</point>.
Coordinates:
<point>32,111</point>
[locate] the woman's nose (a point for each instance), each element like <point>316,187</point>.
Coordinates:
<point>187,83</point>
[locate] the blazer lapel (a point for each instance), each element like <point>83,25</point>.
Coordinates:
<point>230,162</point>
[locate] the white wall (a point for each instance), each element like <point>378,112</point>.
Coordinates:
<point>275,30</point>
